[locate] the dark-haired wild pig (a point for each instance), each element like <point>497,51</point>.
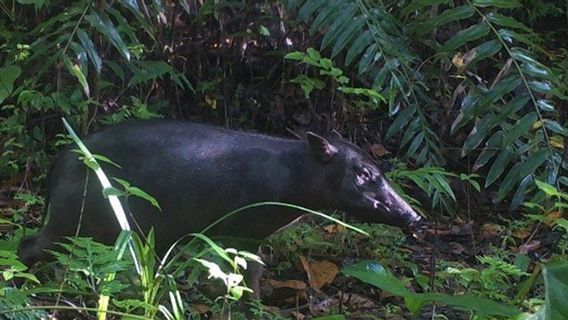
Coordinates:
<point>199,173</point>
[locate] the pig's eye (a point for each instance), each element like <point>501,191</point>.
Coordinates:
<point>363,176</point>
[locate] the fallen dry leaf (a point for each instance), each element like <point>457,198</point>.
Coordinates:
<point>522,233</point>
<point>551,217</point>
<point>319,273</point>
<point>334,228</point>
<point>211,102</point>
<point>378,150</point>
<point>460,61</point>
<point>200,308</point>
<point>489,231</point>
<point>293,284</point>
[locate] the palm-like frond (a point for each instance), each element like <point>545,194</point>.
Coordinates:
<point>503,96</point>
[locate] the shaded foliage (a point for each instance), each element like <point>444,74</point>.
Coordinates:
<point>461,80</point>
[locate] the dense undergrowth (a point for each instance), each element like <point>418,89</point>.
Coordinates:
<point>468,99</point>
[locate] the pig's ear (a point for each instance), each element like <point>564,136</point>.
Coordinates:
<point>321,148</point>
<point>336,134</point>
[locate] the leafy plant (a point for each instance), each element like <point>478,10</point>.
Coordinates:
<point>313,58</point>
<point>136,109</point>
<point>90,264</point>
<point>496,280</point>
<point>13,299</point>
<point>14,268</point>
<point>156,283</point>
<point>375,274</point>
<point>374,44</point>
<point>232,280</point>
<point>66,62</point>
<point>556,285</point>
<point>435,182</point>
<point>551,212</point>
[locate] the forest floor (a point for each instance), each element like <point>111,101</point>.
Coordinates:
<point>303,278</point>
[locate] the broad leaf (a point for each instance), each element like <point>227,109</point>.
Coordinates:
<point>309,8</point>
<point>506,21</point>
<point>370,56</point>
<point>342,21</point>
<point>326,15</point>
<point>89,47</point>
<point>103,24</point>
<point>352,31</point>
<point>416,5</point>
<point>375,274</point>
<point>400,122</point>
<point>521,127</point>
<point>556,286</point>
<point>465,36</point>
<point>477,134</point>
<point>486,50</point>
<point>446,16</point>
<point>362,41</point>
<point>75,70</point>
<point>497,3</point>
<point>499,166</point>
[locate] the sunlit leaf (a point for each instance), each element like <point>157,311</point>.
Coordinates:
<point>554,126</point>
<point>556,287</point>
<point>549,189</point>
<point>545,105</point>
<point>76,71</point>
<point>540,86</point>
<point>375,274</point>
<point>296,55</point>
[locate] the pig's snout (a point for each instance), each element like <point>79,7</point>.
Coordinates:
<point>397,208</point>
<point>416,224</point>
